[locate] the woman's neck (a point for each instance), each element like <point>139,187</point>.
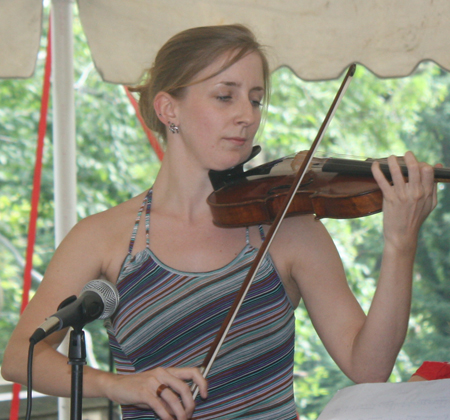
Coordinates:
<point>181,188</point>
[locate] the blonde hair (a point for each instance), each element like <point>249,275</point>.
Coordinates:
<point>185,55</point>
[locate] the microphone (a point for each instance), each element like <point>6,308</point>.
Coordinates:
<point>99,299</point>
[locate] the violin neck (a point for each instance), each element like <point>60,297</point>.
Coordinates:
<point>363,168</point>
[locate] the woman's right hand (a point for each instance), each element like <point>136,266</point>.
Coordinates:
<point>140,389</point>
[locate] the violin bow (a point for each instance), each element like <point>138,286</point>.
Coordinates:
<point>228,321</point>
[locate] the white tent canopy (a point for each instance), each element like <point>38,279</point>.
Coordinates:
<point>317,39</point>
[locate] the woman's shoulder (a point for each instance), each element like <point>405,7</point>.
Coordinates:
<point>115,217</point>
<point>301,229</point>
<point>301,240</point>
<point>109,226</point>
<point>101,240</point>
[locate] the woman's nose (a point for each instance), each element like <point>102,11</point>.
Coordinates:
<point>247,114</point>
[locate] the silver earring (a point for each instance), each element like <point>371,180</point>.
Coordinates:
<point>173,128</point>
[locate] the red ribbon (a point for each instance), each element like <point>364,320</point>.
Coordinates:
<point>15,402</point>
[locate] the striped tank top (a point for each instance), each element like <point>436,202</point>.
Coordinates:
<point>169,318</point>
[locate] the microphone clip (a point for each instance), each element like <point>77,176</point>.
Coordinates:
<point>67,301</point>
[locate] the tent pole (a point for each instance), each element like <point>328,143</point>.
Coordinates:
<point>63,119</point>
<point>64,150</point>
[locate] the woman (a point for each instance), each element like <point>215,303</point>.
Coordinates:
<point>181,272</point>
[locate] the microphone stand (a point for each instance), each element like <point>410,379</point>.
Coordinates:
<point>100,301</point>
<point>77,358</point>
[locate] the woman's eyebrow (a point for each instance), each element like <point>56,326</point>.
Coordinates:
<point>236,84</point>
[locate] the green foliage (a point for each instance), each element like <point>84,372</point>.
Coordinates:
<point>376,118</point>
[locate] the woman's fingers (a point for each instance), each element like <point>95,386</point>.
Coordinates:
<point>193,374</point>
<point>176,393</point>
<point>399,183</point>
<point>174,406</point>
<point>382,182</point>
<point>418,184</point>
<point>182,388</point>
<point>407,201</point>
<point>165,391</point>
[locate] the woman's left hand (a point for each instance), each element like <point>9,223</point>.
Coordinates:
<point>406,202</point>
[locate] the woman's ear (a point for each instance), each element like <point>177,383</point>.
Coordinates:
<point>165,105</point>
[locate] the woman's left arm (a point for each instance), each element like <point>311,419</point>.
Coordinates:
<point>366,347</point>
<point>406,204</point>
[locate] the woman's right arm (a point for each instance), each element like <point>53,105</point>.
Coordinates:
<point>77,261</point>
<point>84,255</point>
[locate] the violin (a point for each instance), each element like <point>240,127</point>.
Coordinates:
<point>331,188</point>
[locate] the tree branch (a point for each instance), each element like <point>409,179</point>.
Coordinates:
<point>20,260</point>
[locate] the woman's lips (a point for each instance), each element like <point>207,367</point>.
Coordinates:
<point>236,140</point>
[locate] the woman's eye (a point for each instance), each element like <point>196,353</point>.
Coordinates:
<point>224,98</point>
<point>256,103</point>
